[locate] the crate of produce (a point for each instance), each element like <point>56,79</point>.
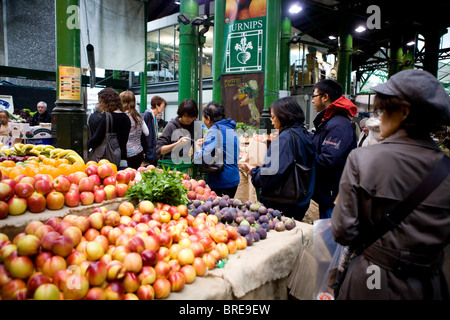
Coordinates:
<point>186,165</point>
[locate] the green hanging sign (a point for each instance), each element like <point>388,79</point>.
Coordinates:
<point>244,47</point>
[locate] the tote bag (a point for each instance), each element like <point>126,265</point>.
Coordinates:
<point>110,148</point>
<point>294,184</point>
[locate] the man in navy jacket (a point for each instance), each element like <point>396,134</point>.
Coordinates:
<point>158,105</point>
<point>334,138</point>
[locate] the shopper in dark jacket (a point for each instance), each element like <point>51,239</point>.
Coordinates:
<point>177,138</point>
<point>109,100</point>
<point>221,133</point>
<point>42,115</point>
<point>286,116</point>
<point>334,138</point>
<point>158,104</point>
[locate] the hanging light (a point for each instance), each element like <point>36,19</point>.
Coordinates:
<point>295,8</point>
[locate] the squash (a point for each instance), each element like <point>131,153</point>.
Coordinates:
<point>244,14</point>
<point>231,10</point>
<point>257,8</point>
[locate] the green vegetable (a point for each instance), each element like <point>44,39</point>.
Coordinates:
<point>158,186</point>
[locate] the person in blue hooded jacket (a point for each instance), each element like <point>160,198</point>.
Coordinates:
<point>221,133</point>
<point>287,116</point>
<point>334,138</point>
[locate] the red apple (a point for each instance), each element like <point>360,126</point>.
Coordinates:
<point>86,184</point>
<point>90,234</point>
<point>207,243</point>
<point>36,203</point>
<point>62,226</point>
<point>145,292</point>
<point>75,258</point>
<point>189,273</point>
<point>146,207</point>
<point>114,234</point>
<point>186,256</point>
<point>32,226</point>
<point>74,233</point>
<point>202,183</point>
<point>162,288</point>
<point>105,170</point>
<point>209,260</point>
<point>123,176</point>
<point>99,195</point>
<point>133,262</point>
<point>81,223</point>
<point>165,216</point>
<point>149,257</point>
<point>109,180</point>
<point>163,254</point>
<point>87,198</point>
<point>115,270</point>
<point>28,245</point>
<point>62,246</point>
<point>53,222</point>
<point>126,208</point>
<point>36,279</point>
<point>221,236</point>
<point>114,291</point>
<point>96,273</point>
<point>60,278</point>
<point>165,239</point>
<point>162,269</point>
<point>96,220</point>
<point>197,249</point>
<point>132,173</point>
<point>183,210</point>
<point>103,240</point>
<point>136,244</point>
<point>4,209</point>
<point>121,189</point>
<point>110,191</point>
<point>151,242</point>
<point>47,240</point>
<point>55,200</point>
<point>177,281</point>
<point>130,282</point>
<point>95,293</point>
<point>112,218</point>
<point>241,243</point>
<point>200,266</point>
<point>72,198</point>
<point>77,176</point>
<point>91,169</point>
<point>61,184</point>
<point>191,195</point>
<point>6,191</point>
<point>21,267</point>
<point>43,176</point>
<point>76,288</point>
<point>97,180</point>
<point>17,206</point>
<point>120,252</point>
<point>94,250</point>
<point>14,290</point>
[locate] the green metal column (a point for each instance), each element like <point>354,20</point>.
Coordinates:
<point>344,56</point>
<point>432,43</point>
<point>143,74</point>
<point>395,55</point>
<point>68,116</point>
<point>284,54</point>
<point>219,27</point>
<point>272,60</point>
<point>188,70</point>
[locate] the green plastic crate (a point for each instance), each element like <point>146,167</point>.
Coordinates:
<point>186,167</point>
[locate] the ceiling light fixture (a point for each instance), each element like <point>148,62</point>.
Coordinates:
<point>295,8</point>
<point>331,37</point>
<point>360,29</point>
<point>411,43</point>
<point>177,2</point>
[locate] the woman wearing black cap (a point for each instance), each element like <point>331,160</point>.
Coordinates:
<point>406,261</point>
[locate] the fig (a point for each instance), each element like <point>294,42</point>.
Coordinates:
<point>279,226</point>
<point>255,236</point>
<point>263,219</point>
<point>226,197</point>
<point>196,203</point>
<point>290,224</point>
<point>247,204</point>
<point>239,219</point>
<point>250,219</point>
<point>227,217</point>
<point>206,207</point>
<point>237,203</point>
<point>243,230</point>
<point>262,210</point>
<point>223,203</point>
<point>255,215</point>
<point>254,207</point>
<point>249,239</point>
<point>276,214</point>
<point>262,233</point>
<point>215,202</point>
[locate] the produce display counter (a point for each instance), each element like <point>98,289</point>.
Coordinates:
<point>260,271</point>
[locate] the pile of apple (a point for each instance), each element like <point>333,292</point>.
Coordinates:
<point>135,252</point>
<point>41,192</point>
<point>198,189</point>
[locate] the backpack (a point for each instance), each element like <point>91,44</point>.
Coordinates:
<point>110,148</point>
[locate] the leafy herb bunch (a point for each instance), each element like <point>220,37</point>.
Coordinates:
<point>165,187</point>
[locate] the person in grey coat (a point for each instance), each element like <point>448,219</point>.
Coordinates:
<point>406,262</point>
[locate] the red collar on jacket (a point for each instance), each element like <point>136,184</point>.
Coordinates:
<point>338,106</point>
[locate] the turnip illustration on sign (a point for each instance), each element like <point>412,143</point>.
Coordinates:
<point>244,46</point>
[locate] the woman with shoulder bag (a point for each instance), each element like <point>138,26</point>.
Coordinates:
<point>135,150</point>
<point>222,138</point>
<point>293,145</point>
<point>109,100</point>
<point>405,261</point>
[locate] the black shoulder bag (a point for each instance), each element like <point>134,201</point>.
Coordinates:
<point>393,218</point>
<point>294,183</point>
<point>214,167</point>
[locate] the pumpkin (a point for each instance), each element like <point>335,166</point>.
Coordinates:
<point>257,8</point>
<point>231,10</point>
